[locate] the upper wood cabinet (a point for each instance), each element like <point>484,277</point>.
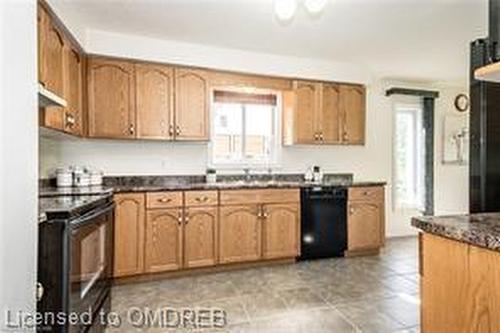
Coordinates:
<point>163,248</point>
<point>73,113</point>
<point>155,101</point>
<point>240,234</point>
<point>200,234</point>
<point>306,112</point>
<point>129,234</point>
<point>352,111</point>
<point>328,119</point>
<point>50,53</point>
<point>111,98</point>
<point>281,230</point>
<point>323,113</point>
<point>192,98</point>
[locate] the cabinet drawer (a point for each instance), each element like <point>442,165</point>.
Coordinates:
<point>201,198</point>
<point>374,193</point>
<point>238,197</point>
<point>163,200</point>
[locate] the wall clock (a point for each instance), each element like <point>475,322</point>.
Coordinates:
<point>462,102</point>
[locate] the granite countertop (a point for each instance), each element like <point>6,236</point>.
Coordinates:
<point>53,207</point>
<point>180,186</point>
<point>476,229</point>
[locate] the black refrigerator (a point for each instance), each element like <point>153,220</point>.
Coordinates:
<point>484,134</point>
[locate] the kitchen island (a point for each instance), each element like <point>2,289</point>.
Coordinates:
<point>460,273</point>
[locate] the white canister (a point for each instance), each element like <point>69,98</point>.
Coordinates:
<point>81,178</point>
<point>64,177</point>
<point>95,178</point>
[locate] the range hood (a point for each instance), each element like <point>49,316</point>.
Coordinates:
<point>47,98</point>
<point>491,71</point>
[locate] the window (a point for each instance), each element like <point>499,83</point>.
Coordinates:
<point>409,157</point>
<point>244,129</point>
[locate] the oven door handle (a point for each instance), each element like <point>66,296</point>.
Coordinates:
<point>87,218</point>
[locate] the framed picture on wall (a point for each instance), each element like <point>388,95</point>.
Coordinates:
<point>456,139</point>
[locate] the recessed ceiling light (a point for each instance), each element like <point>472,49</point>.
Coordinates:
<point>315,6</point>
<point>285,9</point>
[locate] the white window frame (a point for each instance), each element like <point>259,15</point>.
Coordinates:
<point>416,110</point>
<point>274,162</point>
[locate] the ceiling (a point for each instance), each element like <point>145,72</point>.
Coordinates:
<point>424,40</point>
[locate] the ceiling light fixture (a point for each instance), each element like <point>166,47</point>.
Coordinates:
<point>285,9</point>
<point>315,6</point>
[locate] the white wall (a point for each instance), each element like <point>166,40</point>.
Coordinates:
<point>18,157</point>
<point>370,162</point>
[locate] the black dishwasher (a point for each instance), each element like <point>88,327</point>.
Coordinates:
<point>323,222</point>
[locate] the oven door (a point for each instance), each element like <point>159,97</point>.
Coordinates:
<point>91,262</point>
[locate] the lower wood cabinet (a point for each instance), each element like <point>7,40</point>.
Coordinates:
<point>281,230</point>
<point>366,219</point>
<point>240,234</point>
<point>129,234</point>
<point>200,236</point>
<point>167,231</point>
<point>163,250</point>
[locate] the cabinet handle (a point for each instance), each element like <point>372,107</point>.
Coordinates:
<point>164,200</point>
<point>131,129</point>
<point>177,130</point>
<point>202,199</point>
<point>70,120</point>
<point>179,218</point>
<point>344,136</point>
<point>259,212</point>
<point>366,193</point>
<point>186,218</point>
<point>171,130</point>
<point>321,136</point>
<point>351,210</point>
<point>316,136</point>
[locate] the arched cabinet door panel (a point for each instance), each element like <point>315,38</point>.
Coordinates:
<point>239,234</point>
<point>192,98</point>
<point>163,250</point>
<point>111,98</point>
<point>352,108</point>
<point>364,225</point>
<point>200,236</point>
<point>129,234</point>
<point>281,230</point>
<point>306,113</point>
<point>155,101</point>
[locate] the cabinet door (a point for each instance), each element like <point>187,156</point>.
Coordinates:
<point>154,93</point>
<point>352,105</point>
<point>42,19</point>
<point>73,82</point>
<point>129,234</point>
<point>281,229</point>
<point>53,59</point>
<point>163,240</point>
<point>364,225</point>
<point>111,98</point>
<point>306,105</point>
<point>200,236</point>
<point>239,234</point>
<point>329,123</point>
<point>191,104</point>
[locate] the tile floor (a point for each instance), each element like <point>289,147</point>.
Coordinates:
<point>368,294</point>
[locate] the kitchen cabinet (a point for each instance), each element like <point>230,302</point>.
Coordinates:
<point>459,286</point>
<point>155,101</point>
<point>192,96</point>
<point>366,219</point>
<point>73,113</point>
<point>240,234</point>
<point>281,230</point>
<point>163,248</point>
<point>323,113</point>
<point>328,119</point>
<point>50,52</point>
<point>200,234</point>
<point>306,109</point>
<point>352,111</point>
<point>111,98</point>
<point>129,234</point>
